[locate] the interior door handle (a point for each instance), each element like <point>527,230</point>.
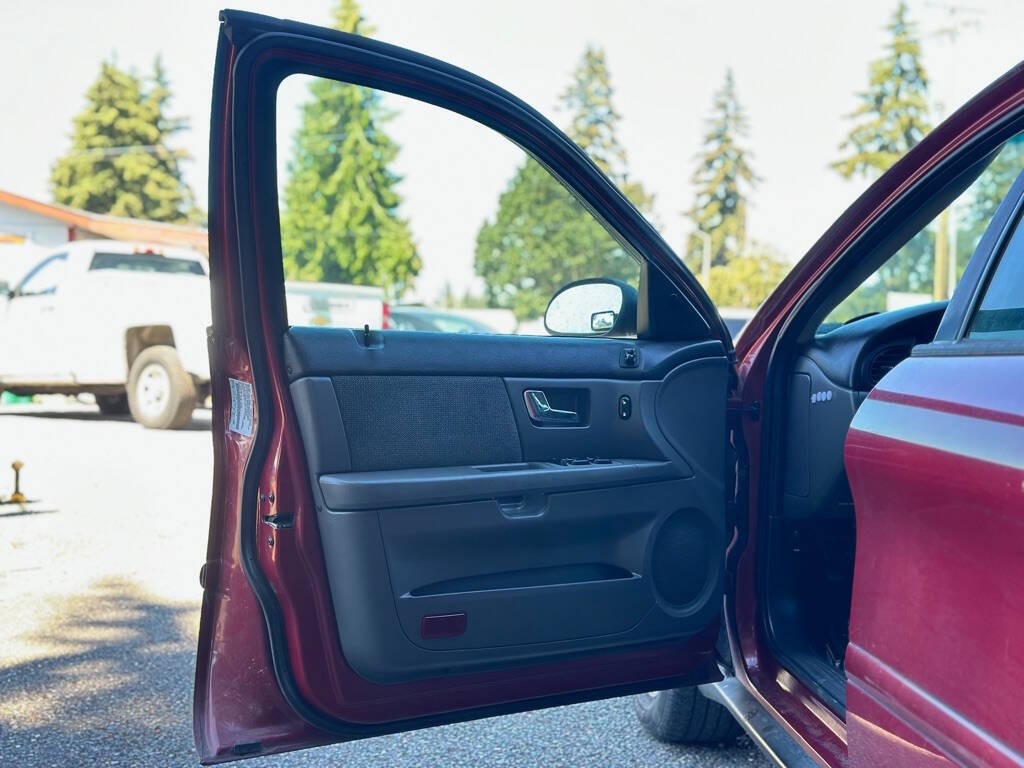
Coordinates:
<point>540,409</point>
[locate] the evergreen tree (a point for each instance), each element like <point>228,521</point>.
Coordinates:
<point>594,122</point>
<point>588,99</point>
<point>120,161</point>
<point>341,219</point>
<point>541,237</point>
<point>892,116</point>
<point>724,180</point>
<point>890,120</point>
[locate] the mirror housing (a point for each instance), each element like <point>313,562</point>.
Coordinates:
<point>597,306</point>
<point>5,290</point>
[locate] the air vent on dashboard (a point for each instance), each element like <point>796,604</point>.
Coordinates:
<point>884,360</point>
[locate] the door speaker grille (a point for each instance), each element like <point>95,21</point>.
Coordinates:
<point>681,558</point>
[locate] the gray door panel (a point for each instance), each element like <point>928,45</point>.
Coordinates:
<point>460,533</point>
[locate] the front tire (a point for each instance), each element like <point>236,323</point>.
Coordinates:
<point>685,715</point>
<point>161,394</point>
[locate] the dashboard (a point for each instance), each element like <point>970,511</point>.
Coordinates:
<point>831,377</point>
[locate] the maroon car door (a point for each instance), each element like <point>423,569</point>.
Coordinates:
<point>409,528</point>
<point>935,456</point>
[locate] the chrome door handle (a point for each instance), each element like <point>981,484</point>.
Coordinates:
<point>540,409</point>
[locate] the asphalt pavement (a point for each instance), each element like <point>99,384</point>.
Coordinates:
<point>99,599</point>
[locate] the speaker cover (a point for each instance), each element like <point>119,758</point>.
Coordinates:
<point>683,558</point>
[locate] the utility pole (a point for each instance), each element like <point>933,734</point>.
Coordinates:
<point>705,256</point>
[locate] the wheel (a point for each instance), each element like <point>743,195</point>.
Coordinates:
<point>161,394</point>
<point>685,715</point>
<point>112,405</point>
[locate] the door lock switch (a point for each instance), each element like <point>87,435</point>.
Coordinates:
<point>625,407</point>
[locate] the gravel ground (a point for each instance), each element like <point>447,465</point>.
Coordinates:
<point>99,595</point>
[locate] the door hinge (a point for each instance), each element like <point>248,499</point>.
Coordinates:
<point>737,408</point>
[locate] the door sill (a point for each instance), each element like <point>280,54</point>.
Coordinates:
<point>763,729</point>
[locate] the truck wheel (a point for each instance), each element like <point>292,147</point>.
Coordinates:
<point>685,715</point>
<point>112,405</point>
<point>161,394</point>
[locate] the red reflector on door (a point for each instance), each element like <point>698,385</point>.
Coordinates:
<point>443,625</point>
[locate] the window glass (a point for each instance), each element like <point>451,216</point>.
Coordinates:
<point>931,264</point>
<point>1001,313</point>
<point>145,262</point>
<point>380,228</point>
<point>45,277</point>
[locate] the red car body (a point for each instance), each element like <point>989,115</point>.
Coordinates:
<point>935,662</point>
<point>938,518</point>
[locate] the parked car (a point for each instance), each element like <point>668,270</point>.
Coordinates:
<point>335,305</point>
<point>407,317</point>
<point>817,533</point>
<point>123,321</point>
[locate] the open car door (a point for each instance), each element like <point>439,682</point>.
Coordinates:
<point>410,529</point>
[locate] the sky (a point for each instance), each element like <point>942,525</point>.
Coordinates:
<point>797,63</point>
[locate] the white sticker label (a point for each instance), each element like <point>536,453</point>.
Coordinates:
<point>241,407</point>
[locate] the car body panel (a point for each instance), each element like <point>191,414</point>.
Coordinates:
<point>935,457</point>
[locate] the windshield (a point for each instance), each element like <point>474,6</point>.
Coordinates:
<point>146,262</point>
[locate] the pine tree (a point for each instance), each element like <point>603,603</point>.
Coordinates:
<point>120,161</point>
<point>724,180</point>
<point>594,122</point>
<point>892,116</point>
<point>594,119</point>
<point>341,219</point>
<point>541,237</point>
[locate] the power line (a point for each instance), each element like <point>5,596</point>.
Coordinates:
<point>151,149</point>
<point>155,148</point>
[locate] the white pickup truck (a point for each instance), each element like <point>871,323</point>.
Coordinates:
<point>127,323</point>
<point>124,321</point>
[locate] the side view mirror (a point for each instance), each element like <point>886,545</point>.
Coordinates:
<point>594,307</point>
<point>5,290</point>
